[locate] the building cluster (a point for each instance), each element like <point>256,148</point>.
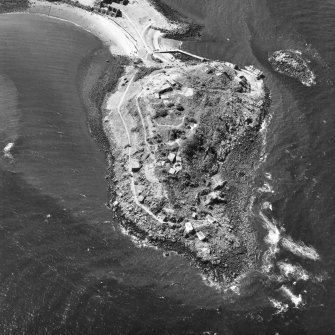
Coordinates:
<point>106,7</point>
<point>175,161</point>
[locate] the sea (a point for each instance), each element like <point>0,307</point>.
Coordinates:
<point>67,267</point>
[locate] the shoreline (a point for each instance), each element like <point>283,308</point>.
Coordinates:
<point>105,29</point>
<point>136,220</point>
<point>129,39</point>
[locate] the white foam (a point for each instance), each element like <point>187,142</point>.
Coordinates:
<point>273,236</point>
<point>263,157</point>
<point>296,272</point>
<point>300,249</point>
<point>267,205</point>
<point>296,299</point>
<point>266,188</point>
<point>8,148</point>
<point>279,305</point>
<point>137,241</point>
<point>235,289</point>
<point>263,131</point>
<point>272,239</point>
<point>211,283</point>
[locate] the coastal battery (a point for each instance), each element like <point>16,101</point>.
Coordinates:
<point>197,143</point>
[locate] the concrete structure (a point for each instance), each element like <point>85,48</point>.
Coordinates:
<point>189,228</point>
<point>210,219</point>
<point>135,165</point>
<point>121,2</point>
<point>165,88</point>
<point>172,171</point>
<point>258,73</point>
<point>171,157</point>
<point>178,167</point>
<point>201,236</point>
<point>202,59</point>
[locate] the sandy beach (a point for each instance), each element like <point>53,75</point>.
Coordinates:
<point>108,31</point>
<point>130,35</point>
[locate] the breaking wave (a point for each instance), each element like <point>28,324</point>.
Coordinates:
<point>280,306</point>
<point>290,271</point>
<point>281,271</point>
<point>300,249</point>
<point>272,239</point>
<point>295,299</point>
<point>266,188</point>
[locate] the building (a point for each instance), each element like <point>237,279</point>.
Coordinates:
<point>178,167</point>
<point>210,219</point>
<point>201,236</point>
<point>172,157</point>
<point>172,171</point>
<point>165,88</point>
<point>189,228</point>
<point>135,165</point>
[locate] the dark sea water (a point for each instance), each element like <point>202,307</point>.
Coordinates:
<point>66,268</point>
<point>299,141</point>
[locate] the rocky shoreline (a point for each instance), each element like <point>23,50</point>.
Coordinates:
<point>185,30</point>
<point>184,142</point>
<point>293,64</point>
<point>200,213</point>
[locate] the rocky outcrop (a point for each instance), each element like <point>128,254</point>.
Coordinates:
<point>293,64</point>
<point>195,142</point>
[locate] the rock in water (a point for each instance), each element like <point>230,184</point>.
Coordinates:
<point>8,148</point>
<point>293,64</point>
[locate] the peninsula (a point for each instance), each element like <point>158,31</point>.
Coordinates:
<point>184,135</point>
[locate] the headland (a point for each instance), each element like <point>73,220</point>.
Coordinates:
<point>184,136</point>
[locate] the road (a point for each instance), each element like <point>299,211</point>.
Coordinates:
<point>132,181</point>
<point>182,52</point>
